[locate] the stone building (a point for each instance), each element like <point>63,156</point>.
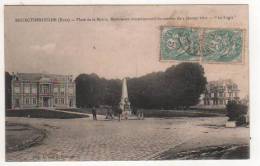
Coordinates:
<point>219,92</point>
<point>37,90</point>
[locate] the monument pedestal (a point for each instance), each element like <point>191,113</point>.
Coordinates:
<point>231,124</point>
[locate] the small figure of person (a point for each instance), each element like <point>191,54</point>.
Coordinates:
<point>125,112</point>
<point>140,115</point>
<point>94,113</point>
<point>125,115</point>
<point>134,111</point>
<point>110,113</point>
<point>119,111</point>
<point>107,113</point>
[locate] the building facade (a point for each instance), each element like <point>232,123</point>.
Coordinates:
<point>219,92</point>
<point>37,90</point>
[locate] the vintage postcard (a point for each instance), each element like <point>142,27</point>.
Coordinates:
<point>126,82</point>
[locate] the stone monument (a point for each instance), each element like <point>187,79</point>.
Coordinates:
<point>124,103</point>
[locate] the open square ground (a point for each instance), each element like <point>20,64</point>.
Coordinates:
<point>85,139</point>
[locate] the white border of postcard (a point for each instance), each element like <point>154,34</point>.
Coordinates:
<point>254,54</point>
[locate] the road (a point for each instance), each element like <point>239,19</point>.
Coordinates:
<point>85,139</point>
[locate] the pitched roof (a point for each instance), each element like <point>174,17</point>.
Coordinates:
<point>42,77</point>
<point>219,83</point>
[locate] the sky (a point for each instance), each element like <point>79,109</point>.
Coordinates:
<point>112,49</point>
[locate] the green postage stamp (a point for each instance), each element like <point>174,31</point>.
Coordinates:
<point>222,45</point>
<point>195,44</point>
<point>180,44</point>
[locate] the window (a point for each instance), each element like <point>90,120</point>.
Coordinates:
<point>71,90</point>
<point>17,103</point>
<point>230,94</point>
<point>56,100</point>
<point>55,90</point>
<point>45,89</point>
<point>221,102</point>
<point>212,94</point>
<point>26,89</point>
<point>27,100</point>
<point>62,100</point>
<point>34,101</point>
<point>220,94</point>
<point>215,94</point>
<point>62,91</point>
<point>236,94</point>
<point>71,102</point>
<point>34,90</point>
<point>16,89</point>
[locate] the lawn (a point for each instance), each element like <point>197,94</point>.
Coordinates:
<point>42,113</point>
<point>181,113</point>
<point>22,136</point>
<point>165,113</point>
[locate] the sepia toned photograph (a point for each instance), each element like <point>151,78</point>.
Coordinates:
<point>126,82</point>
